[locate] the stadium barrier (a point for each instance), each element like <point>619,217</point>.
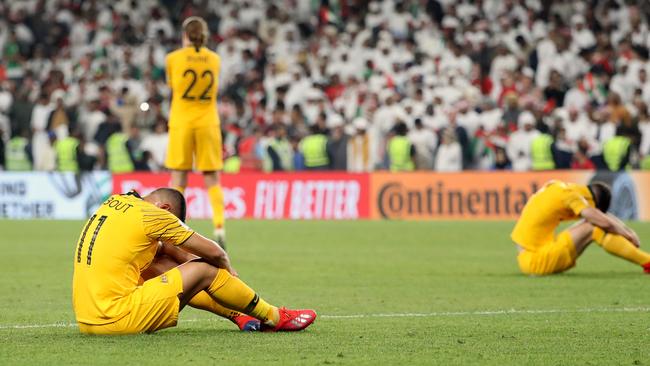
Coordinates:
<point>269,196</point>
<point>49,195</point>
<point>326,195</point>
<point>493,195</point>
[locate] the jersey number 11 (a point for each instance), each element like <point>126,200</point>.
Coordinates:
<point>80,245</point>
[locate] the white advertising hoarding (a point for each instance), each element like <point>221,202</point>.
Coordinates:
<point>52,195</point>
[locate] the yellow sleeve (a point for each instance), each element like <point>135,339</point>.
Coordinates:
<point>162,225</point>
<point>575,201</point>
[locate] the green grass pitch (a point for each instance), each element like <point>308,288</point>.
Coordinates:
<point>444,293</point>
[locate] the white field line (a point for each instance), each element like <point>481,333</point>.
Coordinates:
<point>395,315</point>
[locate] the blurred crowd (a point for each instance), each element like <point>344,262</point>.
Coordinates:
<point>443,85</point>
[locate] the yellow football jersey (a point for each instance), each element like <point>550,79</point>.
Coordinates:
<point>194,79</point>
<point>555,202</point>
<point>117,243</point>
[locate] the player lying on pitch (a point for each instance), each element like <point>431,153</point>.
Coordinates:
<point>119,244</point>
<point>541,252</point>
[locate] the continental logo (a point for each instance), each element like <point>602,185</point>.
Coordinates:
<point>396,200</point>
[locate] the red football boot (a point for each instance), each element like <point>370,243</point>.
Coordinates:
<point>292,320</point>
<point>646,268</point>
<point>247,323</point>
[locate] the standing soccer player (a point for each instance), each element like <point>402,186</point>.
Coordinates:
<point>194,127</point>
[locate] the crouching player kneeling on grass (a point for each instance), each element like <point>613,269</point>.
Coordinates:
<point>130,239</point>
<point>541,252</point>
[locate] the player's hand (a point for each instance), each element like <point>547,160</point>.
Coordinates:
<point>233,272</point>
<point>629,234</point>
<point>633,237</point>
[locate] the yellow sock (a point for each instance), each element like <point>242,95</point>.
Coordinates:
<point>180,189</point>
<point>204,301</point>
<point>233,293</point>
<point>620,247</point>
<point>216,201</point>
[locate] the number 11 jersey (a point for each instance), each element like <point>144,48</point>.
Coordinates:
<point>116,244</point>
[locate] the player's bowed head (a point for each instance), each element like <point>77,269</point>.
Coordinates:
<point>602,195</point>
<point>170,200</point>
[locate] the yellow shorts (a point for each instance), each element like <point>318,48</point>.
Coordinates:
<point>553,257</point>
<point>201,145</point>
<point>154,306</point>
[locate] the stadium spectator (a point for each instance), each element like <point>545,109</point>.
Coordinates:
<point>337,144</point>
<point>279,153</point>
<point>360,157</point>
<point>17,154</point>
<point>119,155</point>
<point>449,157</point>
<point>542,151</point>
<point>617,151</point>
<point>155,143</point>
<point>501,161</point>
<point>472,67</point>
<point>581,158</point>
<point>401,152</point>
<point>298,158</point>
<point>313,147</point>
<point>249,153</point>
<point>562,148</point>
<point>61,119</point>
<point>519,144</point>
<point>68,151</point>
<point>41,147</point>
<point>425,142</point>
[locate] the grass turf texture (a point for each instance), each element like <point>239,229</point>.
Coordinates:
<point>455,270</point>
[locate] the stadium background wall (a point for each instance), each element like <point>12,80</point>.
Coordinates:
<point>338,196</point>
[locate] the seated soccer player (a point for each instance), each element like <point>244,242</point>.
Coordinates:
<point>117,246</point>
<point>541,252</point>
<point>170,256</point>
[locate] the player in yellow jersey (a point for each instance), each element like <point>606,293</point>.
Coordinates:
<point>194,127</point>
<point>542,252</point>
<point>120,242</point>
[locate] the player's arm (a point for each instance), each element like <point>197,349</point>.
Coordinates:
<point>210,251</point>
<point>609,223</point>
<point>174,252</point>
<point>630,233</point>
<point>163,226</point>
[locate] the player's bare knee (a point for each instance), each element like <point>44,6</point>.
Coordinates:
<point>211,178</point>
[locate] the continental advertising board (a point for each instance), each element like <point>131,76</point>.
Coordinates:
<point>492,195</point>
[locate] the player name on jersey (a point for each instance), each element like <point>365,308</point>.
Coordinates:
<point>193,58</point>
<point>118,205</point>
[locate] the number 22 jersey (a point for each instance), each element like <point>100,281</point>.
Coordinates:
<point>194,80</point>
<point>116,244</point>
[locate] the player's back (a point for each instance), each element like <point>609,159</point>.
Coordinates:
<point>117,242</point>
<point>555,202</point>
<point>194,79</point>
